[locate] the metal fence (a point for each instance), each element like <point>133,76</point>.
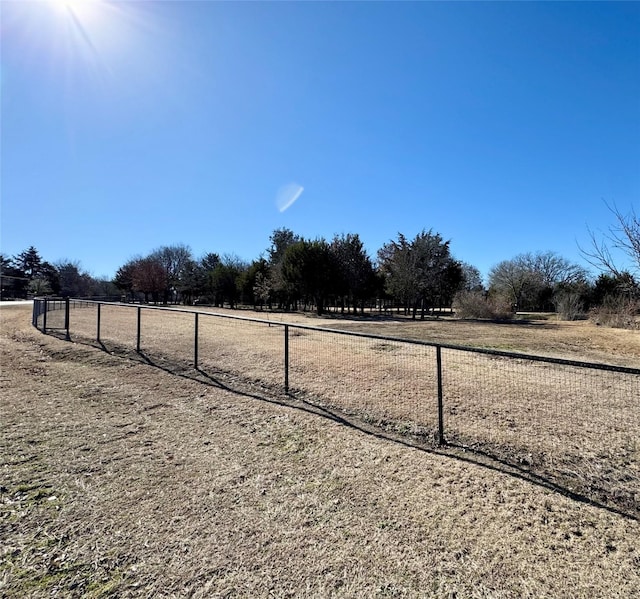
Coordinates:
<point>574,425</point>
<point>51,314</point>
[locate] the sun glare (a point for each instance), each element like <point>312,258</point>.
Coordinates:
<point>81,10</point>
<point>71,4</point>
<point>104,48</point>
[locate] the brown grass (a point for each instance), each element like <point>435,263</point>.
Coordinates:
<point>576,428</point>
<point>575,340</point>
<point>130,479</point>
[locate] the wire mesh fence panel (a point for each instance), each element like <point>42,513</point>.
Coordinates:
<point>385,382</point>
<point>37,319</point>
<point>55,314</point>
<point>562,421</point>
<point>83,319</point>
<point>167,335</point>
<point>118,326</point>
<point>248,349</point>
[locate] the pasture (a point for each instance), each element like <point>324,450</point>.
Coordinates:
<point>132,474</point>
<point>576,428</point>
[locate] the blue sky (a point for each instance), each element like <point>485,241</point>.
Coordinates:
<point>130,125</point>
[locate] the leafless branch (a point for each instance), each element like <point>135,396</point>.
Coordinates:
<point>624,236</point>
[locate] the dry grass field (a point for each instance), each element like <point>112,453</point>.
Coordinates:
<point>576,340</point>
<point>135,475</point>
<point>577,429</point>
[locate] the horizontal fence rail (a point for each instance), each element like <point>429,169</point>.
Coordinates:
<point>573,423</point>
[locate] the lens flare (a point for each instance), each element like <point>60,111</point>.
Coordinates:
<point>287,195</point>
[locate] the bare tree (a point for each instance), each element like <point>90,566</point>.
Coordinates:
<point>174,259</point>
<point>624,236</point>
<point>149,276</point>
<point>554,269</point>
<point>530,280</point>
<point>471,278</point>
<point>512,280</point>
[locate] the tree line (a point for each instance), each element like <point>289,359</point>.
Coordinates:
<point>27,274</point>
<point>306,274</point>
<point>410,275</point>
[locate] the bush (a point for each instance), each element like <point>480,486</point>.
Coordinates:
<point>569,306</point>
<point>474,304</point>
<point>617,311</point>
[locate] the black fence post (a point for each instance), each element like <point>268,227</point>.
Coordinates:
<point>441,439</point>
<point>98,323</point>
<point>67,305</point>
<point>286,358</point>
<point>195,344</point>
<point>44,316</point>
<point>138,330</point>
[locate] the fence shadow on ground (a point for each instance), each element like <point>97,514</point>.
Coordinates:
<point>235,384</point>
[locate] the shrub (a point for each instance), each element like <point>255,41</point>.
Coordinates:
<point>569,306</point>
<point>474,304</point>
<point>617,311</point>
